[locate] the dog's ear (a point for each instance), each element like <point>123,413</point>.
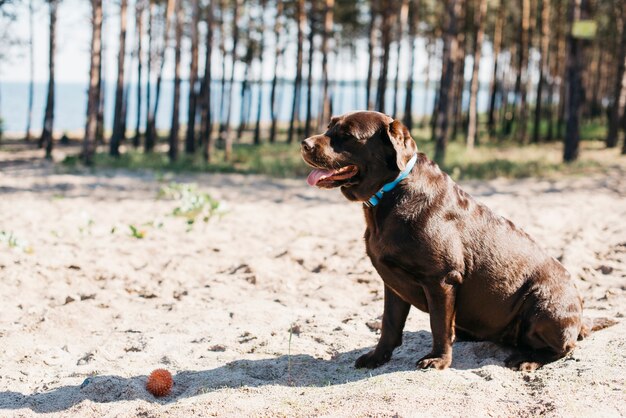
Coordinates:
<point>402,143</point>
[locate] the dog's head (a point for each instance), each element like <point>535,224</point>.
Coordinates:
<point>359,152</point>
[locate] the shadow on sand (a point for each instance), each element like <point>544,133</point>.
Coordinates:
<point>298,370</point>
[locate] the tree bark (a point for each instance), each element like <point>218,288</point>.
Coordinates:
<point>493,87</point>
<point>31,83</point>
<point>309,80</point>
<point>48,121</point>
<point>449,58</point>
<point>89,141</point>
<point>139,27</point>
<point>326,36</point>
<point>562,72</point>
<point>297,84</point>
<point>175,125</point>
<point>205,93</point>
<point>408,97</point>
<point>479,17</point>
<point>257,127</point>
<point>125,104</point>
<point>101,96</point>
<point>387,16</point>
<point>149,140</point>
<point>432,118</point>
<point>402,20</point>
<point>544,66</point>
<point>226,137</point>
<point>459,75</point>
<point>190,137</point>
<point>245,84</point>
<point>618,102</point>
<point>521,84</point>
<point>576,95</point>
<point>118,134</point>
<point>371,54</point>
<point>278,52</point>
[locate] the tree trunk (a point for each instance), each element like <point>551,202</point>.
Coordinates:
<point>402,20</point>
<point>175,125</point>
<point>479,17</point>
<point>432,118</point>
<point>493,87</point>
<point>149,140</point>
<point>371,52</point>
<point>48,121</point>
<point>101,96</point>
<point>562,72</point>
<point>118,134</point>
<point>408,97</point>
<point>205,92</point>
<point>329,17</point>
<point>257,128</point>
<point>31,83</point>
<point>544,67</point>
<point>226,137</point>
<point>223,55</point>
<point>278,52</point>
<point>89,141</point>
<point>595,105</point>
<point>618,102</point>
<point>295,105</point>
<point>190,138</point>
<point>309,80</point>
<point>245,84</point>
<point>125,103</point>
<point>151,134</point>
<point>386,44</point>
<point>459,75</point>
<point>624,120</point>
<point>449,57</point>
<point>139,26</point>
<point>576,95</point>
<point>508,77</point>
<point>521,83</point>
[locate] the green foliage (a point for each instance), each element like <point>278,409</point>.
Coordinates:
<point>191,203</point>
<point>136,232</point>
<point>13,242</point>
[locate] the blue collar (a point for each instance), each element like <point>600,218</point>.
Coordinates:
<point>374,200</point>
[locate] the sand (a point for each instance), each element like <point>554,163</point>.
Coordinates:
<point>262,310</point>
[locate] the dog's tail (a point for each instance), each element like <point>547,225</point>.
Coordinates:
<point>594,324</point>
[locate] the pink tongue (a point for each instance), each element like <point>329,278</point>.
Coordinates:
<point>317,174</point>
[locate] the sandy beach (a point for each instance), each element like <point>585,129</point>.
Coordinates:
<point>263,309</point>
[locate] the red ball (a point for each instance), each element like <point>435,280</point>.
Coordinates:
<point>160,382</point>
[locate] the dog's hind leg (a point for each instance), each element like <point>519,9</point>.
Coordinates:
<point>546,339</point>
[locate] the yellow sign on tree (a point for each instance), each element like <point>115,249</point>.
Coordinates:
<point>584,29</point>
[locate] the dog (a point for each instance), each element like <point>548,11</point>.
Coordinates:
<point>436,248</point>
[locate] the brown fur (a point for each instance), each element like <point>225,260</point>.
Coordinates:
<point>439,250</point>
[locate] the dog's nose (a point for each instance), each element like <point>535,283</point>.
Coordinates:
<point>308,144</point>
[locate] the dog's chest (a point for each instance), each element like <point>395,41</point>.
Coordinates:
<point>386,257</point>
<point>404,247</point>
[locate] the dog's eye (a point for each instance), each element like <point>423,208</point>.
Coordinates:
<point>337,143</point>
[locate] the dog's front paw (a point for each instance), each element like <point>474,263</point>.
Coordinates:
<point>434,361</point>
<point>372,360</point>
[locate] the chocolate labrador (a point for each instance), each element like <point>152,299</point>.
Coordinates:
<point>436,248</point>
